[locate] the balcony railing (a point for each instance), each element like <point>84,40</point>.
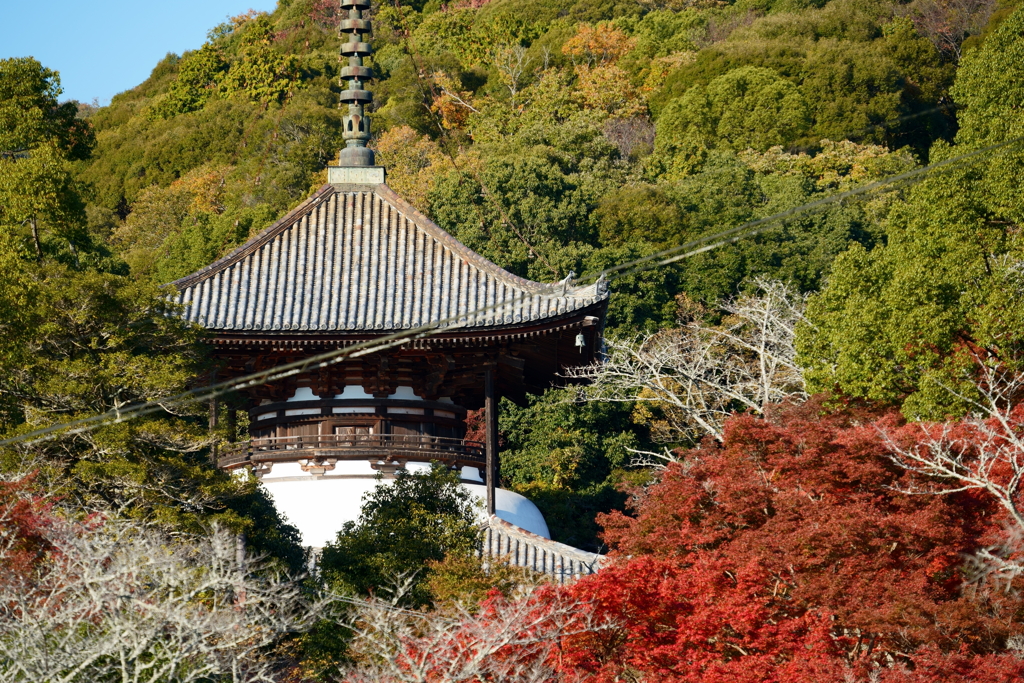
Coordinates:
<point>389,447</point>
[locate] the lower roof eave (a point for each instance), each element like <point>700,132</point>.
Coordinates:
<point>585,317</point>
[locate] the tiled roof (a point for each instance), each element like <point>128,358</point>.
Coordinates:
<point>355,258</point>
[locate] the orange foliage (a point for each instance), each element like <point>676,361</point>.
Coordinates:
<point>601,44</point>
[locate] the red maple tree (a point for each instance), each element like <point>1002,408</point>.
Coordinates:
<point>789,553</point>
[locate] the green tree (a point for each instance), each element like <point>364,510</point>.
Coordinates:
<point>198,79</point>
<point>404,524</point>
<point>568,457</point>
<point>260,72</point>
<point>39,197</point>
<point>31,115</point>
<point>749,107</point>
<point>906,322</point>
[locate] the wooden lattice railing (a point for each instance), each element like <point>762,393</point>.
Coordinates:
<point>354,447</point>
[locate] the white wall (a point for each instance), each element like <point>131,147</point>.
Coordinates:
<point>319,507</point>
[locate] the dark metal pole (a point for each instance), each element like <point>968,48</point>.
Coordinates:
<point>491,408</point>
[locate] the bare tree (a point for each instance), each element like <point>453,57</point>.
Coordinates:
<point>947,23</point>
<point>983,452</point>
<point>700,374</point>
<point>118,600</point>
<point>631,136</point>
<point>511,61</point>
<point>514,642</point>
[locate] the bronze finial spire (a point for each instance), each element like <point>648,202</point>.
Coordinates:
<point>357,124</point>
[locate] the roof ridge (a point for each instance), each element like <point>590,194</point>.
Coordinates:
<point>447,239</point>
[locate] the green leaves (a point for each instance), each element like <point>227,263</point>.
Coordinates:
<point>251,67</point>
<point>403,525</point>
<point>747,108</point>
<point>199,77</point>
<point>39,195</point>
<point>907,322</point>
<point>567,457</point>
<point>39,198</point>
<point>30,114</point>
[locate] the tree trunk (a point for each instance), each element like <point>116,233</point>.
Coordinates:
<point>35,238</point>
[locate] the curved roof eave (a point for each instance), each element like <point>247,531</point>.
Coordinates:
<point>357,258</point>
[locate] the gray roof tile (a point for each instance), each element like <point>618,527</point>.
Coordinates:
<point>359,258</point>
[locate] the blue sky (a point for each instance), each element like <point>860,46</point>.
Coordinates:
<point>103,47</point>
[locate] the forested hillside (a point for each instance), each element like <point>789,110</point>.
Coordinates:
<point>802,451</point>
<point>552,137</point>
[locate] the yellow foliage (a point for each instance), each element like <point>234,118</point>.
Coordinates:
<point>453,105</point>
<point>160,212</point>
<point>606,87</point>
<point>838,166</point>
<point>661,67</point>
<point>412,160</point>
<point>679,5</point>
<point>467,580</point>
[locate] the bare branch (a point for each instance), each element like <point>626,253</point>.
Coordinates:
<point>984,452</point>
<point>513,641</point>
<point>119,600</point>
<point>700,374</point>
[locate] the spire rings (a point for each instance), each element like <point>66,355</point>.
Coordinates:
<point>353,49</point>
<point>356,26</point>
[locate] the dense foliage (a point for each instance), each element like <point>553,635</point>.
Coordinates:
<point>798,542</point>
<point>416,519</point>
<point>806,510</point>
<point>82,337</point>
<point>905,322</point>
<point>551,136</point>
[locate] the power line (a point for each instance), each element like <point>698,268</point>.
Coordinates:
<point>754,227</point>
<point>656,260</point>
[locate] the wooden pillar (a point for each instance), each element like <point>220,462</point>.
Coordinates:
<point>214,411</point>
<point>491,408</point>
<point>214,403</point>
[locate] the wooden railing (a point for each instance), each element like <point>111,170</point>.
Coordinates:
<point>354,447</point>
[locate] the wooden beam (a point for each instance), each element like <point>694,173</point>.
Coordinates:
<point>491,407</point>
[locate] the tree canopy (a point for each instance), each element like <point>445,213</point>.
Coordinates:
<point>404,524</point>
<point>909,320</point>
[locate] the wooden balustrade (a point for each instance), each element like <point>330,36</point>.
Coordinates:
<point>417,447</point>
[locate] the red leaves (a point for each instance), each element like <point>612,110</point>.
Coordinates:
<point>704,622</point>
<point>24,520</point>
<point>788,553</point>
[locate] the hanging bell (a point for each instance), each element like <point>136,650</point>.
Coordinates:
<point>581,341</point>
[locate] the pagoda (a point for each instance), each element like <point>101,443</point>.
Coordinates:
<point>353,263</point>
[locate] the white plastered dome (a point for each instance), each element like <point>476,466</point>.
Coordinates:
<point>320,506</point>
